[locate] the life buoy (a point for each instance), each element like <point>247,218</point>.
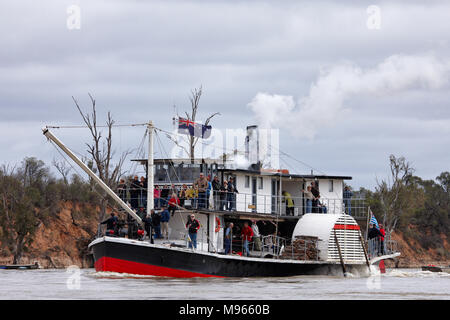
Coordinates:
<point>217,224</point>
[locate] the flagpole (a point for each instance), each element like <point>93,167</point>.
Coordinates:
<point>367,225</point>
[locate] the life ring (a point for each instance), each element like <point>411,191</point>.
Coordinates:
<point>217,224</point>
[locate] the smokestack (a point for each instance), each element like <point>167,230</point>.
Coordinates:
<point>252,145</point>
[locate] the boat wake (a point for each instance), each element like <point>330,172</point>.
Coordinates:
<point>415,274</point>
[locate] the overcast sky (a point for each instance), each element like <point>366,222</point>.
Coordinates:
<point>347,84</point>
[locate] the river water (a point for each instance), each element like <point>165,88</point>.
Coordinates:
<point>87,284</point>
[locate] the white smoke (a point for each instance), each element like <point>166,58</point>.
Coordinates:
<point>335,85</point>
<point>240,162</point>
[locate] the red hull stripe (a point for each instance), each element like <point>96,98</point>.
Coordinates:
<point>124,266</point>
<point>345,227</point>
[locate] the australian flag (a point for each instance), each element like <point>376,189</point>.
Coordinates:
<point>186,126</point>
<point>373,220</point>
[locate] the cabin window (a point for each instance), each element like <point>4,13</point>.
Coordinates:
<point>247,182</point>
<point>331,186</point>
<point>261,185</point>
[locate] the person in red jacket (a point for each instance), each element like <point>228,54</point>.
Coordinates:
<point>382,239</point>
<point>174,203</point>
<point>246,234</point>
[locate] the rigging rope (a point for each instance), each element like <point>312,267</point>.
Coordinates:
<point>97,126</point>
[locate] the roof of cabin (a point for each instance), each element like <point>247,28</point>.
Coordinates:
<point>287,175</point>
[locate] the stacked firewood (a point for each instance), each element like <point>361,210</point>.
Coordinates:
<point>302,248</point>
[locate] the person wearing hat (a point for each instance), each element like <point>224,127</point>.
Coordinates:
<point>192,226</point>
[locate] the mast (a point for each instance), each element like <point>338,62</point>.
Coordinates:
<point>150,169</point>
<point>85,168</point>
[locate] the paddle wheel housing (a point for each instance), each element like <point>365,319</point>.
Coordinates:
<point>324,227</point>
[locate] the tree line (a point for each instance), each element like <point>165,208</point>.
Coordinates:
<point>30,195</point>
<point>419,208</point>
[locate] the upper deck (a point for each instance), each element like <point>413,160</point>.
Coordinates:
<point>266,194</point>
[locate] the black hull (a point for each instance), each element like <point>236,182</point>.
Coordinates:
<point>136,258</point>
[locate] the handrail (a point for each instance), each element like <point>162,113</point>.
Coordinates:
<point>377,247</point>
<point>256,203</point>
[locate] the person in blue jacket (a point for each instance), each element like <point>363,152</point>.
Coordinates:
<point>165,217</point>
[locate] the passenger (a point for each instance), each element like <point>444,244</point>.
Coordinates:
<point>322,207</point>
<point>143,192</point>
<point>202,185</point>
<point>374,239</point>
<point>111,224</point>
<point>209,193</point>
<point>289,203</point>
<point>231,195</point>
<point>142,212</point>
<point>246,234</point>
<point>182,195</point>
<point>190,195</point>
<point>132,227</point>
<point>383,232</point>
<point>309,198</point>
<point>347,195</point>
<point>148,225</point>
<point>122,190</point>
<point>157,196</point>
<point>165,217</point>
<point>256,236</point>
<point>223,195</point>
<point>156,223</point>
<point>216,188</point>
<point>173,189</point>
<point>165,192</point>
<point>192,225</point>
<point>316,195</point>
<point>134,193</point>
<point>174,203</point>
<point>229,238</point>
<point>195,198</point>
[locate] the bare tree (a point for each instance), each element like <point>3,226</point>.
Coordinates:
<point>192,116</point>
<point>393,191</point>
<point>63,169</point>
<point>101,151</point>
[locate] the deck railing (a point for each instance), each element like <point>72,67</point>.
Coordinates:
<point>261,204</point>
<point>377,247</point>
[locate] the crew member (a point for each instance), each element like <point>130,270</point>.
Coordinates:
<point>246,234</point>
<point>192,225</point>
<point>228,238</point>
<point>111,224</point>
<point>148,226</point>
